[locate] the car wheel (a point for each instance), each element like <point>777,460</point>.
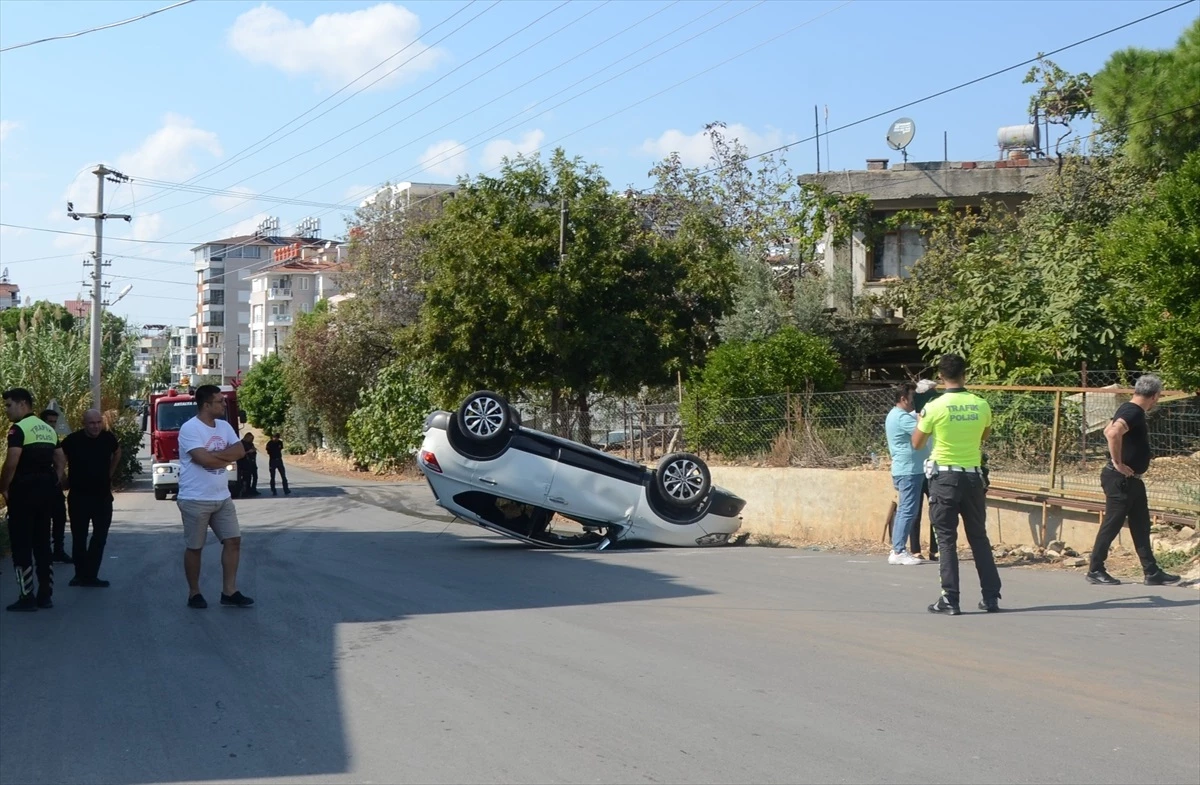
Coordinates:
<point>483,416</point>
<point>682,479</point>
<point>160,494</point>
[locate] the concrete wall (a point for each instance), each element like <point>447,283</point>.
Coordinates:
<point>811,505</point>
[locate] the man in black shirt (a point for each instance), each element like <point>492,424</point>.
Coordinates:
<point>93,455</point>
<point>248,468</point>
<point>1124,490</point>
<point>275,462</point>
<point>33,470</point>
<point>58,517</point>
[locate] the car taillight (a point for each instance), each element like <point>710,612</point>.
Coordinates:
<point>430,460</point>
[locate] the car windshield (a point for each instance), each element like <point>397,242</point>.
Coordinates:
<point>172,414</point>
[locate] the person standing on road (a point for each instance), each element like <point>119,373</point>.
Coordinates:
<point>33,472</point>
<point>275,462</point>
<point>248,468</point>
<point>207,444</point>
<point>926,391</point>
<point>58,517</point>
<point>908,473</point>
<point>1124,489</point>
<point>93,455</point>
<point>958,422</point>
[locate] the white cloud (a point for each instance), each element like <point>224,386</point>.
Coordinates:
<point>440,159</point>
<point>7,127</point>
<point>495,152</point>
<point>696,149</point>
<point>336,47</point>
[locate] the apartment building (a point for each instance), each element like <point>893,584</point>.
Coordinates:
<point>182,346</point>
<point>282,290</point>
<point>153,343</point>
<point>222,320</point>
<point>10,293</point>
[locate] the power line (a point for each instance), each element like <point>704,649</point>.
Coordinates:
<point>90,236</point>
<point>398,103</point>
<point>240,155</point>
<point>359,196</point>
<point>95,29</point>
<point>960,86</point>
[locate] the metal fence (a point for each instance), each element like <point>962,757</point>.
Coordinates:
<point>1043,438</point>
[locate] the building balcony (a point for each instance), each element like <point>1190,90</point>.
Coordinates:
<point>279,320</point>
<point>279,294</point>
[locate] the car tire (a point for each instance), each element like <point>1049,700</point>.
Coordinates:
<point>484,417</point>
<point>160,494</point>
<point>682,480</point>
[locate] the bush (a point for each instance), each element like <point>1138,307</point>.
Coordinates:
<point>737,405</point>
<point>301,430</point>
<point>264,394</point>
<point>128,430</point>
<point>386,427</point>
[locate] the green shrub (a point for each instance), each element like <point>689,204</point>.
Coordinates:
<point>738,404</point>
<point>128,430</point>
<point>386,427</point>
<point>301,430</point>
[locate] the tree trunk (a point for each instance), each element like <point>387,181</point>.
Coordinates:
<point>585,418</point>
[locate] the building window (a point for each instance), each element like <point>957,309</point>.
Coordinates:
<point>303,281</point>
<point>258,314</point>
<point>256,339</point>
<point>305,307</point>
<point>895,254</point>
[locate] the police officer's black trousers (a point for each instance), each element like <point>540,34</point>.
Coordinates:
<point>30,506</point>
<point>97,510</point>
<point>962,493</point>
<point>58,519</point>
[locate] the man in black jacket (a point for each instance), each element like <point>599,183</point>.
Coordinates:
<point>59,505</point>
<point>275,463</point>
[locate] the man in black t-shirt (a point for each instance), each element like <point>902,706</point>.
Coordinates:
<point>275,463</point>
<point>93,455</point>
<point>1124,490</point>
<point>58,518</point>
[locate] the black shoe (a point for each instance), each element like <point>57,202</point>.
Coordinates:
<point>944,606</point>
<point>95,583</point>
<point>287,491</point>
<point>61,557</point>
<point>236,600</point>
<point>1102,578</point>
<point>197,601</point>
<point>24,603</point>
<point>273,493</point>
<point>1161,578</point>
<point>44,601</point>
<point>933,557</point>
<point>989,606</point>
<point>77,581</point>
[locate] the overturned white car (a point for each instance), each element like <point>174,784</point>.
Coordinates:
<point>485,468</point>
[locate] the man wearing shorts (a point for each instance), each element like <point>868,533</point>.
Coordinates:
<point>207,444</point>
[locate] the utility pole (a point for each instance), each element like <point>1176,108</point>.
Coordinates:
<point>100,217</point>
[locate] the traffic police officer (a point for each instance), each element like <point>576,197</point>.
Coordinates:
<point>34,468</point>
<point>958,421</point>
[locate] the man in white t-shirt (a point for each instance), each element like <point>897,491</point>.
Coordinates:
<point>207,444</point>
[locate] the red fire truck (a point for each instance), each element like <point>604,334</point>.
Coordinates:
<point>167,412</point>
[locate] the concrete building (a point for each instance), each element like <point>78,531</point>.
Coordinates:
<point>80,309</point>
<point>222,320</point>
<point>151,345</point>
<point>282,290</point>
<point>918,186</point>
<point>10,293</point>
<point>183,348</point>
<point>402,195</point>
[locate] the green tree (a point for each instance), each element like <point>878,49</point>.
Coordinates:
<point>331,357</point>
<point>1152,256</point>
<point>1150,101</point>
<point>625,307</point>
<point>264,394</point>
<point>158,374</point>
<point>10,319</point>
<point>386,426</point>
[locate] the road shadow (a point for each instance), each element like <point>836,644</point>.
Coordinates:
<point>1130,603</point>
<point>232,694</point>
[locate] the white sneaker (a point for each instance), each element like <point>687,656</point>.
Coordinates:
<point>903,558</point>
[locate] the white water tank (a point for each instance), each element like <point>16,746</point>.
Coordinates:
<point>1019,137</point>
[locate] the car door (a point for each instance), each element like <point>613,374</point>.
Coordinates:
<point>595,487</point>
<point>522,472</point>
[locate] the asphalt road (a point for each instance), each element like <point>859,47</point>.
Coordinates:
<point>387,645</point>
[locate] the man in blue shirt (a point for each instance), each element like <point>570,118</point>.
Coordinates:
<point>908,472</point>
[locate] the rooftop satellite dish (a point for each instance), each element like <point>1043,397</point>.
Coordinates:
<point>901,134</point>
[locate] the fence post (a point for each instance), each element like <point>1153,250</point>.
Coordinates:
<point>1054,438</point>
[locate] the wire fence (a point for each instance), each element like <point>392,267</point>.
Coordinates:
<point>1044,438</point>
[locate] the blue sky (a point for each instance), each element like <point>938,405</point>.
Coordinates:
<point>171,96</point>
